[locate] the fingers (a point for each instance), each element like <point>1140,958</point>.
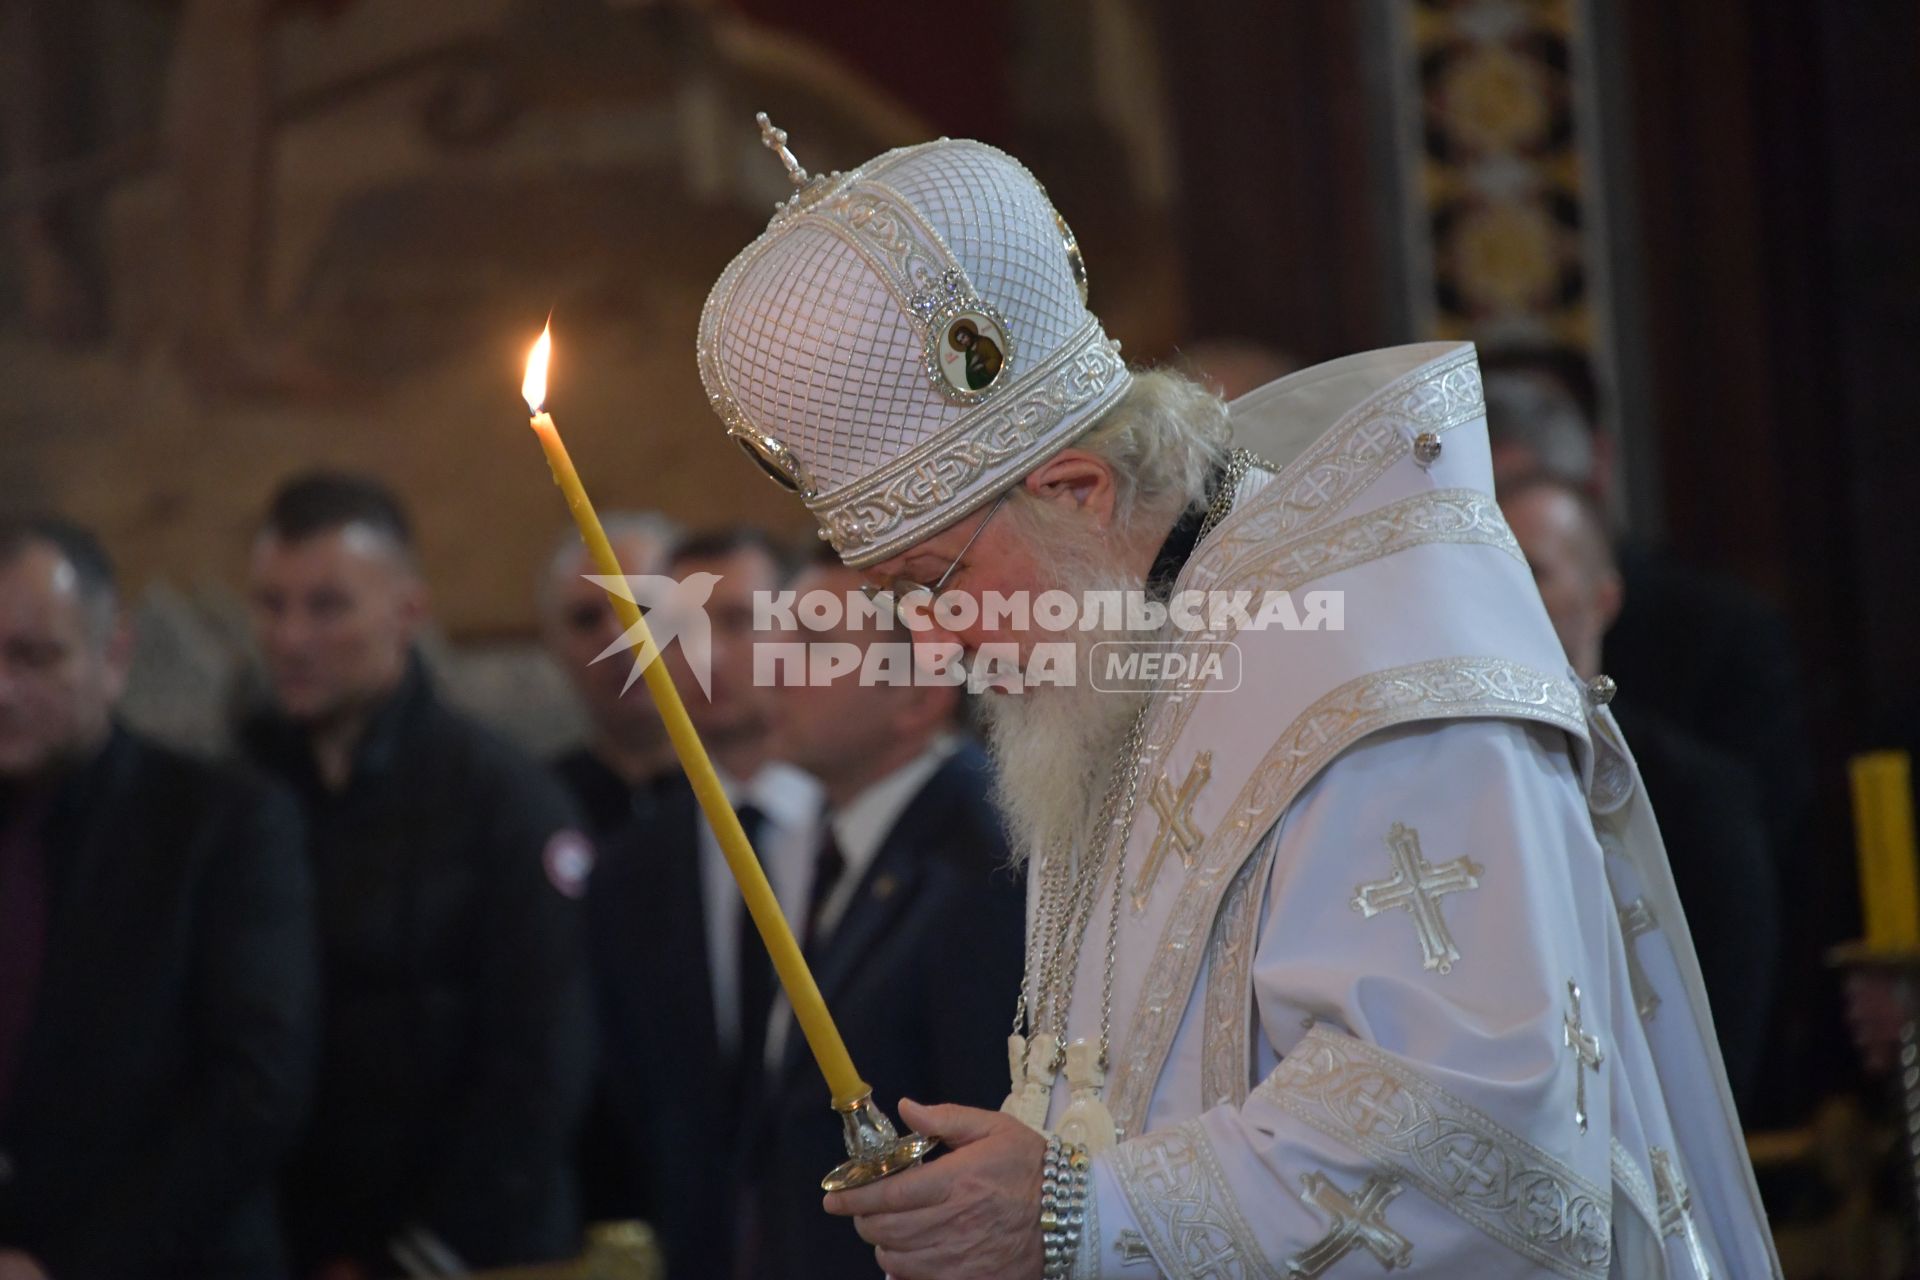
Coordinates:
<point>957,1126</point>
<point>920,1188</point>
<point>904,1232</point>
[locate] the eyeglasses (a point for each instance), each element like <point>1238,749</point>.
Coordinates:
<point>896,594</point>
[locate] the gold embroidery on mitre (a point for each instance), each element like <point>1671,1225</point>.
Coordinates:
<point>1416,887</point>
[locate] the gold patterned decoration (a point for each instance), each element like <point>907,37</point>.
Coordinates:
<point>1465,1160</point>
<point>1499,152</point>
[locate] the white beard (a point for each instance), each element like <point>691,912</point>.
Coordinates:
<point>1056,747</point>
<point>1054,750</point>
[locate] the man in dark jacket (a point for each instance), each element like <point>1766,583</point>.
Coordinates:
<point>455,1049</point>
<point>913,927</point>
<point>626,746</point>
<point>157,965</point>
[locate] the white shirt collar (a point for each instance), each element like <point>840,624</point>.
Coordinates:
<point>787,795</point>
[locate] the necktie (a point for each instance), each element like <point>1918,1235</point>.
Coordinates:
<point>829,866</point>
<point>23,933</point>
<point>754,969</point>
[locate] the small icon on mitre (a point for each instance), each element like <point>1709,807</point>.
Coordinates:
<point>973,352</point>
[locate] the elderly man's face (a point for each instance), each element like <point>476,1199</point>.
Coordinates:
<point>61,666</point>
<point>579,623</point>
<point>999,560</point>
<point>335,615</point>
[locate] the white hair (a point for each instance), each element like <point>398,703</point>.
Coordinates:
<point>1165,439</point>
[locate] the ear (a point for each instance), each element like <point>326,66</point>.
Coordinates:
<point>1085,480</point>
<point>1608,596</point>
<point>117,657</point>
<point>413,604</point>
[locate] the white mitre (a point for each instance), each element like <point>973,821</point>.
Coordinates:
<point>906,342</point>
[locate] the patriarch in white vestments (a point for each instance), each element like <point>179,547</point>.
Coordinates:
<point>1352,941</point>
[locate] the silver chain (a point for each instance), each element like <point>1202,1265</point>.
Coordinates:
<point>1134,741</point>
<point>1239,462</point>
<point>1066,899</point>
<point>1067,905</point>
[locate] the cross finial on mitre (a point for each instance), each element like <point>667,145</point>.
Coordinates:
<point>776,141</point>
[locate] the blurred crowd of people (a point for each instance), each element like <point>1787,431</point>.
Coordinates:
<point>387,996</point>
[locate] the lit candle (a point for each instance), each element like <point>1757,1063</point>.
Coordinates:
<point>829,1050</point>
<point>1883,834</point>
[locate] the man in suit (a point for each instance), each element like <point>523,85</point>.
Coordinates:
<point>683,985</point>
<point>456,1044</point>
<point>913,927</point>
<point>612,774</point>
<point>158,975</point>
<point>626,746</point>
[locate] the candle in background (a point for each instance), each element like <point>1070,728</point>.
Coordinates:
<point>1883,832</point>
<point>809,1009</point>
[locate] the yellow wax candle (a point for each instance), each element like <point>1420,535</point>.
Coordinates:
<point>823,1037</point>
<point>1883,832</point>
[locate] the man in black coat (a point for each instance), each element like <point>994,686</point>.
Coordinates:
<point>456,1038</point>
<point>158,976</point>
<point>683,983</point>
<point>913,928</point>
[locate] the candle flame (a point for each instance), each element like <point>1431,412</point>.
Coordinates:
<point>535,386</point>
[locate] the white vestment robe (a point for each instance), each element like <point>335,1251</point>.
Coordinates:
<point>1402,980</point>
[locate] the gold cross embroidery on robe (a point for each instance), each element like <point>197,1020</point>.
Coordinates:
<point>1676,1208</point>
<point>1637,919</point>
<point>1177,829</point>
<point>1416,887</point>
<point>1586,1055</point>
<point>1132,1248</point>
<point>1355,1222</point>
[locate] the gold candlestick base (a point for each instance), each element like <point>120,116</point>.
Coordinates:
<point>875,1149</point>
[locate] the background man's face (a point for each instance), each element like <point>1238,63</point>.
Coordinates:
<point>737,708</point>
<point>60,674</point>
<point>335,615</point>
<point>580,624</point>
<point>823,728</point>
<point>1581,601</point>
